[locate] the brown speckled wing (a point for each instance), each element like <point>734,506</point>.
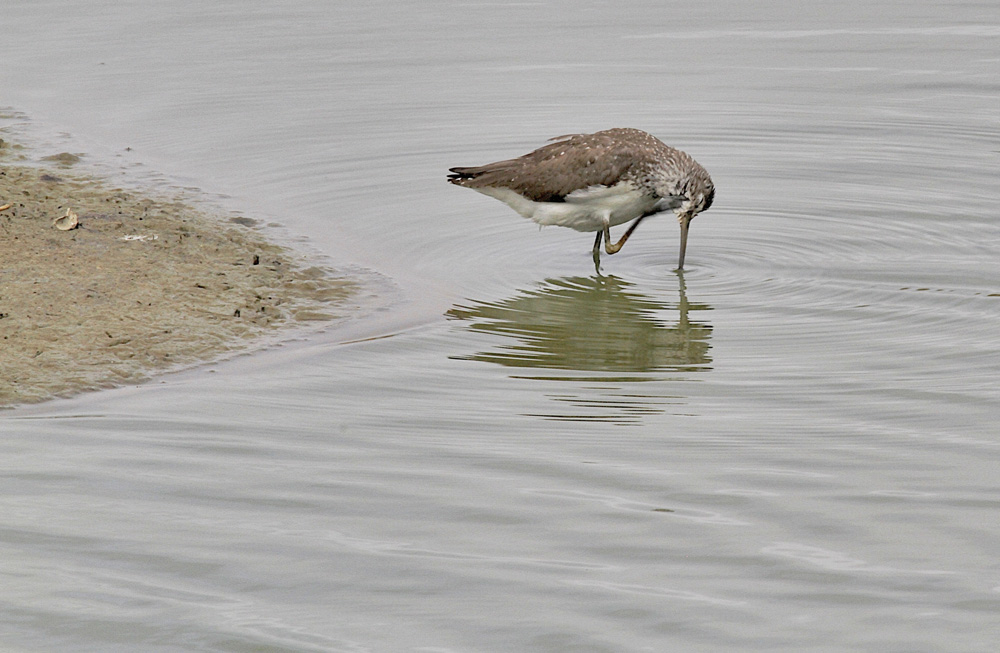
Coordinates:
<point>570,163</point>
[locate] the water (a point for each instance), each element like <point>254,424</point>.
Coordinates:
<point>791,447</point>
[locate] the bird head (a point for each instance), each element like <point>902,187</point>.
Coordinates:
<point>698,198</point>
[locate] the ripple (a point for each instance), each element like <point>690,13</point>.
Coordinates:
<point>837,561</point>
<point>662,592</point>
<point>943,31</point>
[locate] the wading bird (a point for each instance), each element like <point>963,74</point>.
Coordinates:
<point>592,182</point>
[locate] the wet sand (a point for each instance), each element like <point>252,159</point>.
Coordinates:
<point>142,285</point>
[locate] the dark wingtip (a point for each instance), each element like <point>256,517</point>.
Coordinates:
<point>459,174</point>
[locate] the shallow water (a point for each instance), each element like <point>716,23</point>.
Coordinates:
<point>792,446</point>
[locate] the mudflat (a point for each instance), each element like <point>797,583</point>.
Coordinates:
<point>101,286</point>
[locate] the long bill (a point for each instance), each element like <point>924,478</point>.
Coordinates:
<point>685,220</point>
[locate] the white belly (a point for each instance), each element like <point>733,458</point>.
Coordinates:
<point>585,210</point>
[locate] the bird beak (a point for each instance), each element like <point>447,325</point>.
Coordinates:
<point>685,220</point>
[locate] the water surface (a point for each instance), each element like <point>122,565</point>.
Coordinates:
<point>791,447</point>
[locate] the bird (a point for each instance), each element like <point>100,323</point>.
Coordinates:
<point>592,182</point>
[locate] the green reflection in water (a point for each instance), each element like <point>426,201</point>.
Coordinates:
<point>592,324</point>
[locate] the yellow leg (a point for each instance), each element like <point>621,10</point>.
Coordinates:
<point>613,249</point>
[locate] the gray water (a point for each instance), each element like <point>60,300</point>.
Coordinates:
<point>791,447</point>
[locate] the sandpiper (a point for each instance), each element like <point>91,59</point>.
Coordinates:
<point>592,182</point>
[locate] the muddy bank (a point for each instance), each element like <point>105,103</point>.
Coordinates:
<point>138,285</point>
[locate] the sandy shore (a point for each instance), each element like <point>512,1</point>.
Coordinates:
<point>142,284</point>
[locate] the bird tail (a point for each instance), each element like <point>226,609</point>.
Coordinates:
<point>487,175</point>
<point>461,175</point>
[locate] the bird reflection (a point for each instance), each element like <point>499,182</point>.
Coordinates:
<point>592,324</point>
